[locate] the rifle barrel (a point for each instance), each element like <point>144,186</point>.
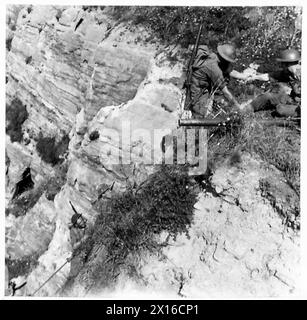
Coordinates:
<point>202,122</point>
<point>279,122</point>
<point>189,71</point>
<point>220,121</point>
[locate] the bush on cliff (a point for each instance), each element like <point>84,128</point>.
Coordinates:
<point>51,151</point>
<point>130,223</point>
<point>16,115</point>
<point>21,205</point>
<point>22,266</point>
<point>258,32</point>
<point>51,186</point>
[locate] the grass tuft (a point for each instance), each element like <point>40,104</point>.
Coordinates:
<point>129,223</point>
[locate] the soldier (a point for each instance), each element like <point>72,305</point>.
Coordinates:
<point>209,72</point>
<point>77,219</point>
<point>285,97</point>
<point>77,228</point>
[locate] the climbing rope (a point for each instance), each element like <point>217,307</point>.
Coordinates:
<point>54,273</point>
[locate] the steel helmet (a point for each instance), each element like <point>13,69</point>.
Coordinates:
<point>289,55</point>
<point>227,52</point>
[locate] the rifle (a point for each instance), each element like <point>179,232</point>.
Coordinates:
<point>223,121</point>
<point>203,122</point>
<point>187,83</point>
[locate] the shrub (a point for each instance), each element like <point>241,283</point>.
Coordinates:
<point>51,151</point>
<point>51,186</point>
<point>279,146</point>
<point>21,205</point>
<point>55,184</point>
<point>22,266</point>
<point>258,32</point>
<point>271,29</point>
<point>94,135</point>
<point>24,184</point>
<point>28,59</point>
<point>16,115</point>
<point>179,25</point>
<point>128,223</point>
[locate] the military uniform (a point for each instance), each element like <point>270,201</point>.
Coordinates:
<point>207,77</point>
<point>285,97</point>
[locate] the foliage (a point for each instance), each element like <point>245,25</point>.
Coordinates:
<point>258,32</point>
<point>51,151</point>
<point>271,29</point>
<point>24,184</point>
<point>179,25</point>
<point>55,183</point>
<point>51,186</point>
<point>16,115</point>
<point>279,146</point>
<point>94,135</point>
<point>129,222</point>
<point>22,204</point>
<point>22,266</point>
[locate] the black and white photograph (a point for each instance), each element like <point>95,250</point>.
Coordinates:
<point>152,151</point>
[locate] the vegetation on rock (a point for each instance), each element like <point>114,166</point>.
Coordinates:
<point>258,32</point>
<point>276,145</point>
<point>94,135</point>
<point>51,186</point>
<point>21,267</point>
<point>51,151</point>
<point>129,223</point>
<point>16,115</point>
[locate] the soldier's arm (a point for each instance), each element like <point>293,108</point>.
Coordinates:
<point>227,94</point>
<point>218,80</point>
<point>239,75</point>
<point>249,77</point>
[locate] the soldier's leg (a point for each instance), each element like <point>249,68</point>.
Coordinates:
<point>266,101</point>
<point>200,108</point>
<point>288,110</point>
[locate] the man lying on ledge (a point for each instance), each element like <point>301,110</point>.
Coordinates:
<point>285,97</point>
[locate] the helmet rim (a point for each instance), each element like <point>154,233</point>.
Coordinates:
<point>289,55</point>
<point>223,55</point>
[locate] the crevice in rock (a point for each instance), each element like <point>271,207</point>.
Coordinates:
<point>58,15</point>
<point>8,43</point>
<point>78,24</point>
<point>26,183</point>
<point>7,163</point>
<point>166,107</point>
<point>28,60</point>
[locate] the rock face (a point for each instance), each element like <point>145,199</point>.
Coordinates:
<point>78,72</point>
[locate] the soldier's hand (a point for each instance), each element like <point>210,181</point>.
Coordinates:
<point>250,78</point>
